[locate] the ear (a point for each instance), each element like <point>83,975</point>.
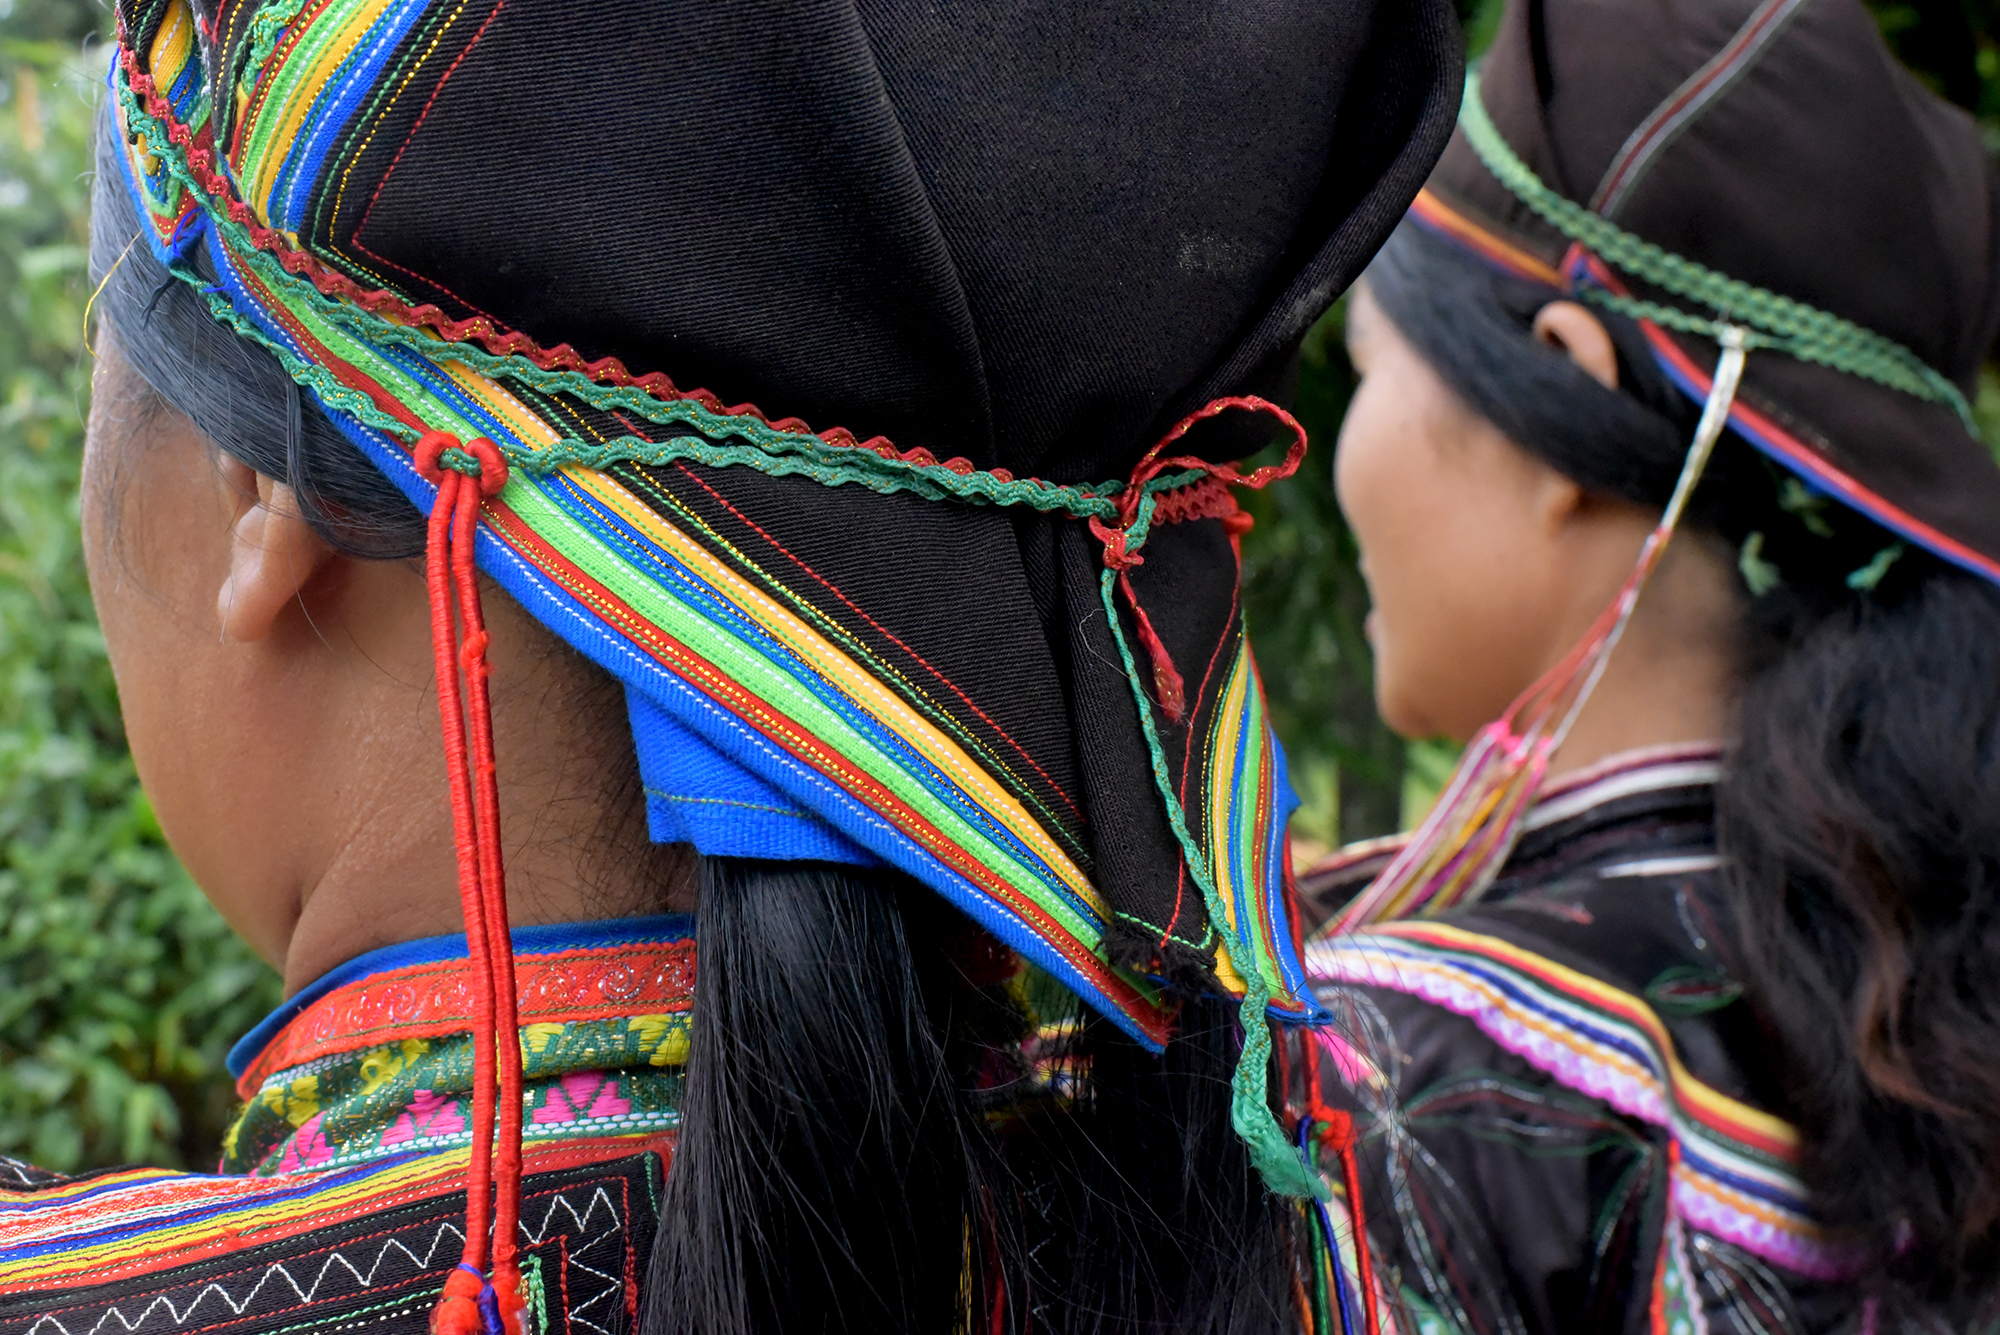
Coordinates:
<point>273,555</point>
<point>1580,334</point>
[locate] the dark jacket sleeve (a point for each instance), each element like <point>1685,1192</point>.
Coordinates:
<point>1496,1199</point>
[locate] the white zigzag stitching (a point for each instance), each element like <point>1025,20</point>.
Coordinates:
<point>52,1325</point>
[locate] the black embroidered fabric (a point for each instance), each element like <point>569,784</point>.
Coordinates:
<point>586,1234</point>
<point>1503,1201</point>
<point>1015,233</point>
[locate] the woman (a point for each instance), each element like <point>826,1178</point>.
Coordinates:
<point>886,727</point>
<point>1678,1013</point>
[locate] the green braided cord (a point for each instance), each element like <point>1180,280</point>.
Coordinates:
<point>781,453</point>
<point>1789,326</point>
<point>265,28</point>
<point>458,461</point>
<point>777,453</point>
<point>770,450</point>
<point>1283,1167</point>
<point>538,1292</point>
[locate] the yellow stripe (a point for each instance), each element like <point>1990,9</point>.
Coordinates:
<point>433,1175</point>
<point>883,704</point>
<point>173,46</point>
<point>1719,1106</point>
<point>1227,742</point>
<point>300,93</point>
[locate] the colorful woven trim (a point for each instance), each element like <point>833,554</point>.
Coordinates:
<point>582,1080</point>
<point>634,579</point>
<point>1584,274</point>
<point>378,1060</point>
<point>139,1221</point>
<point>1736,1175</point>
<point>395,1003</point>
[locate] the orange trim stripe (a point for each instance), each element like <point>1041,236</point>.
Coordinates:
<point>1428,208</point>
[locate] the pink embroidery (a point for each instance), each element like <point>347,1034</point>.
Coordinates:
<point>431,1001</point>
<point>1354,1068</point>
<point>307,1148</point>
<point>586,1094</point>
<point>428,1115</point>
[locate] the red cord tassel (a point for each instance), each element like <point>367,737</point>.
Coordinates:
<point>471,1305</point>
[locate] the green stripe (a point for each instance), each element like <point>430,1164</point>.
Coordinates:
<point>747,665</point>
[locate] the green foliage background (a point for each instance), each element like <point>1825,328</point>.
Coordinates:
<point>120,988</point>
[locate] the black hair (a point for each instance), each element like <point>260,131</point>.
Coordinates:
<point>1859,812</point>
<point>863,1144</point>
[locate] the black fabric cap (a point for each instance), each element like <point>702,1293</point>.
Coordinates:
<point>1780,143</point>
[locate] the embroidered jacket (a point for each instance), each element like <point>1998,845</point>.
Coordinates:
<point>1564,1122</point>
<point>340,1199</point>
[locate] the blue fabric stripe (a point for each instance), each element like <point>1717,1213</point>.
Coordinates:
<point>1641,1052</point>
<point>579,626</point>
<point>553,606</point>
<point>351,82</point>
<point>1285,801</point>
<point>1860,498</point>
<point>696,592</point>
<point>308,1185</point>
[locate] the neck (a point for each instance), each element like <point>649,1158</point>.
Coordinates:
<point>1670,679</point>
<point>378,867</point>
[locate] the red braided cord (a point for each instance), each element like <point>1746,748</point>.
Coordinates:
<point>1340,1127</point>
<point>451,710</point>
<point>498,944</point>
<point>1169,687</point>
<point>1337,1126</point>
<point>451,575</point>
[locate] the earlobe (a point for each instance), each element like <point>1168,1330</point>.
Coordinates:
<point>1579,333</point>
<point>273,555</point>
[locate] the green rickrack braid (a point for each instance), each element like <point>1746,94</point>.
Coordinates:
<point>768,450</point>
<point>1779,323</point>
<point>1280,1162</point>
<point>764,447</point>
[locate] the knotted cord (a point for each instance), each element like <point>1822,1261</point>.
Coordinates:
<point>473,1303</point>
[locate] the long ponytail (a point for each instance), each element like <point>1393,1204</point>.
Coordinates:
<point>863,1144</point>
<point>862,1147</point>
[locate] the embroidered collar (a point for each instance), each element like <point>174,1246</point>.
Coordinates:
<point>376,1058</point>
<point>1654,795</point>
<point>1647,809</point>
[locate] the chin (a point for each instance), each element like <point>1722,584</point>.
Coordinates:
<point>1401,713</point>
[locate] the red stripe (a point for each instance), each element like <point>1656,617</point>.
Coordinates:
<point>786,733</point>
<point>448,1178</point>
<point>317,352</point>
<point>1719,64</point>
<point>432,1000</point>
<point>1801,456</point>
